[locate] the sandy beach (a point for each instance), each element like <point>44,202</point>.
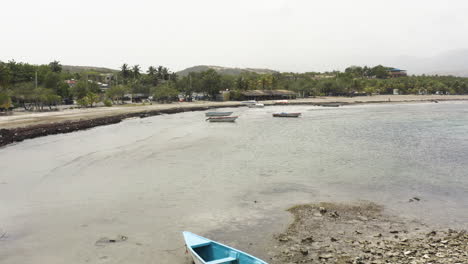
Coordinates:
<point>22,119</point>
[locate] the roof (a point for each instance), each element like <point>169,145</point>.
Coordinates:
<point>396,70</point>
<point>267,92</point>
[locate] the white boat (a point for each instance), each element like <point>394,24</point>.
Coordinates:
<point>251,102</point>
<point>206,251</point>
<point>222,118</point>
<point>257,105</point>
<point>281,102</point>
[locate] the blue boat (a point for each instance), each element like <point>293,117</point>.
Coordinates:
<point>205,251</point>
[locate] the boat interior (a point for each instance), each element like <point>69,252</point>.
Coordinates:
<point>213,253</point>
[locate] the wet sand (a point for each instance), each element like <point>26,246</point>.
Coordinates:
<point>64,196</point>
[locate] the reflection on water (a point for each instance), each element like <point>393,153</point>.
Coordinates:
<point>150,178</point>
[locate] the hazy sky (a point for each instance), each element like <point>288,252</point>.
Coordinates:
<point>277,34</point>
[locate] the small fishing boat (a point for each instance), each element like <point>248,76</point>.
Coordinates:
<point>331,105</point>
<point>218,113</point>
<point>281,102</point>
<point>257,105</point>
<point>206,251</point>
<point>222,118</point>
<point>283,114</point>
<point>251,102</point>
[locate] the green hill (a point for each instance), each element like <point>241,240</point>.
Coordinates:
<point>80,69</point>
<point>224,70</point>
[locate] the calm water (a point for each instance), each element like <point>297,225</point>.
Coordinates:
<point>151,178</point>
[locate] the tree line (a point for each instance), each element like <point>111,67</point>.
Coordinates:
<point>37,86</point>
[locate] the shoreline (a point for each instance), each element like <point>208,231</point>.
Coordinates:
<point>16,128</point>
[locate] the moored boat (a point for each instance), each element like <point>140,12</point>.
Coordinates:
<point>206,251</point>
<point>222,118</point>
<point>218,113</point>
<point>331,105</point>
<point>283,114</point>
<point>281,102</point>
<point>257,105</point>
<point>251,102</point>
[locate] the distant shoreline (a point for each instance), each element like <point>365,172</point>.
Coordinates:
<point>18,127</point>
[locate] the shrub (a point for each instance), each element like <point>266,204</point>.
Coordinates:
<point>108,103</point>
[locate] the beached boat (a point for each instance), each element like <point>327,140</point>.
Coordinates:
<point>281,102</point>
<point>258,105</point>
<point>252,102</point>
<point>331,105</point>
<point>283,114</point>
<point>206,251</point>
<point>218,113</point>
<point>222,118</point>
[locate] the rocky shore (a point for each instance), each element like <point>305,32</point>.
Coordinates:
<point>362,233</point>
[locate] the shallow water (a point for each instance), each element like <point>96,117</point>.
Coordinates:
<point>149,179</point>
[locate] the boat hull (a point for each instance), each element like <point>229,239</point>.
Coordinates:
<point>286,114</point>
<point>256,105</point>
<point>222,119</point>
<point>218,114</point>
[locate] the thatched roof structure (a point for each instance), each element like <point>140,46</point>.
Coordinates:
<point>267,93</point>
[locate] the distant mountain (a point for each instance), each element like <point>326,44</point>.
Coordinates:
<point>454,62</point>
<point>224,70</point>
<point>80,69</point>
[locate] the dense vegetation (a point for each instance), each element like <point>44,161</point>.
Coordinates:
<point>37,86</point>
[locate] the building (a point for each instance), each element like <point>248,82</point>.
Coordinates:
<point>394,72</point>
<point>268,94</point>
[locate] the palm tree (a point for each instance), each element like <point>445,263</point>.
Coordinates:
<point>125,71</point>
<point>160,72</point>
<point>152,75</point>
<point>173,76</point>
<point>165,73</point>
<point>151,71</point>
<point>136,71</point>
<point>55,66</point>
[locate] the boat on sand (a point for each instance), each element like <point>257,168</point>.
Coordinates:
<point>206,251</point>
<point>218,113</point>
<point>251,102</point>
<point>222,118</point>
<point>257,105</point>
<point>284,114</point>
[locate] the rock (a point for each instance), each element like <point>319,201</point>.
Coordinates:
<point>325,256</point>
<point>393,231</point>
<point>358,232</point>
<point>332,239</point>
<point>362,218</point>
<point>105,240</point>
<point>322,210</point>
<point>309,239</point>
<point>334,214</point>
<point>416,199</point>
<point>304,251</point>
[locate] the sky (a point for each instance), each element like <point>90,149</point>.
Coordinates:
<point>291,35</point>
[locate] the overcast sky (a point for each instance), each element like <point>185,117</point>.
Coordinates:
<point>277,34</point>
